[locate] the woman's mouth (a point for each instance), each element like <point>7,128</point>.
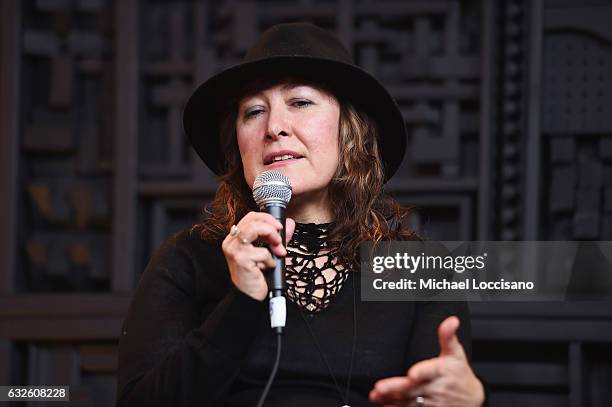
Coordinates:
<point>282,158</point>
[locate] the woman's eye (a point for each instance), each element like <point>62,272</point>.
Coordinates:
<point>252,113</point>
<point>301,103</point>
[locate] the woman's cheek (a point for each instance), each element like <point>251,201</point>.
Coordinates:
<point>252,173</point>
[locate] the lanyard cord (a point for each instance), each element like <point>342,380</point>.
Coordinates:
<point>345,399</point>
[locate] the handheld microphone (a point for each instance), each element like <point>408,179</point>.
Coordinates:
<point>272,193</point>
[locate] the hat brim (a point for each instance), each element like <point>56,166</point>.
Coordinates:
<point>201,118</point>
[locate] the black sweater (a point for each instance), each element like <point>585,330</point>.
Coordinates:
<point>191,338</point>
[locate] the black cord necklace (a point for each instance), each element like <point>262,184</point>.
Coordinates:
<point>344,397</point>
<point>307,278</point>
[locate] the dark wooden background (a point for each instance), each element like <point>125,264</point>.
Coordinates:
<point>509,107</point>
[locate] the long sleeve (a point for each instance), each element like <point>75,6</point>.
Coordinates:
<point>428,316</point>
<point>187,330</point>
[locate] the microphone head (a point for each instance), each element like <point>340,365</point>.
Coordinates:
<point>272,188</point>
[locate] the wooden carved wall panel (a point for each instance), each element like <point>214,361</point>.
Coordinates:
<point>428,56</point>
<point>167,67</point>
<point>66,145</point>
<point>89,368</point>
<point>577,126</point>
<point>510,131</point>
<point>480,83</point>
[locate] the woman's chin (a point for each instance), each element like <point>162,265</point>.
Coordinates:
<point>302,193</point>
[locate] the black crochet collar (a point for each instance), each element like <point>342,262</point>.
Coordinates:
<point>314,274</point>
<point>310,236</point>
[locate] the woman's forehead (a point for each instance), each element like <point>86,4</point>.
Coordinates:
<point>288,83</point>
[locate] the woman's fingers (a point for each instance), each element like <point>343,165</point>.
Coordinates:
<point>390,390</point>
<point>289,228</point>
<point>393,390</point>
<point>425,370</point>
<point>262,257</point>
<point>254,259</point>
<point>265,229</point>
<point>245,261</point>
<point>268,229</point>
<point>393,384</point>
<point>447,337</point>
<point>444,380</point>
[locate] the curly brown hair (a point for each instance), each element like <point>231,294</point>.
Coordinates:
<point>361,210</point>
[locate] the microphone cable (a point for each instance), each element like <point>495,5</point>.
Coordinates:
<point>264,394</point>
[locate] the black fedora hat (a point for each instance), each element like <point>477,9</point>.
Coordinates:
<point>300,49</point>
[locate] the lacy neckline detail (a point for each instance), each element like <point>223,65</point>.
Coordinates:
<point>313,272</point>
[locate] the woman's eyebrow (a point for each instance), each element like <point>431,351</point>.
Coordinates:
<point>293,85</point>
<point>284,88</point>
<point>246,99</point>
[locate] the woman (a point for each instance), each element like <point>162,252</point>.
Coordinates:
<point>197,330</point>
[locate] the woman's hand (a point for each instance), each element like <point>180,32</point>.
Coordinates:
<point>246,262</point>
<point>446,380</point>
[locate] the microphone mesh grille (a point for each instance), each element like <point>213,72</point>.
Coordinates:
<point>271,187</point>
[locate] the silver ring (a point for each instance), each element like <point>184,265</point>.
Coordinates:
<point>235,232</point>
<point>420,401</point>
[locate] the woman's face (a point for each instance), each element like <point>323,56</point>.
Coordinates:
<point>293,128</point>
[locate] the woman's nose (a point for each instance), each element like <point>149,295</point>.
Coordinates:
<point>278,124</point>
